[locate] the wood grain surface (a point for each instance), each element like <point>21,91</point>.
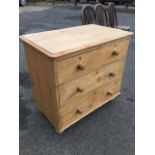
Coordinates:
<point>60,42</point>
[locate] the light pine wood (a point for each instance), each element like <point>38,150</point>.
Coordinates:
<point>42,75</point>
<point>67,68</point>
<point>90,102</point>
<point>65,41</point>
<point>76,70</point>
<point>77,88</point>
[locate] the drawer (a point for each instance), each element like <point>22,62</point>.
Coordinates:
<point>76,66</point>
<point>74,111</point>
<point>77,88</point>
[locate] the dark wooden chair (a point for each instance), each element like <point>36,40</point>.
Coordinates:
<point>112,15</point>
<point>88,15</point>
<point>101,15</point>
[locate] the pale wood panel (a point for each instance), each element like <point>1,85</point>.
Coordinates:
<point>67,68</point>
<point>65,41</point>
<point>62,62</point>
<point>41,69</point>
<point>87,104</point>
<point>77,88</point>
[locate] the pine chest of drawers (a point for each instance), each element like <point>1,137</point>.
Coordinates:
<point>75,70</point>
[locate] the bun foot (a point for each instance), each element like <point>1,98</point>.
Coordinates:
<point>59,131</point>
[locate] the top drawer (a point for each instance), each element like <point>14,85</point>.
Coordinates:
<point>76,66</point>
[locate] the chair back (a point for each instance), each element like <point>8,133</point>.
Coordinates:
<point>112,15</point>
<point>101,16</point>
<point>88,15</point>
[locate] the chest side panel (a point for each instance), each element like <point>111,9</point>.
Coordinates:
<point>41,71</point>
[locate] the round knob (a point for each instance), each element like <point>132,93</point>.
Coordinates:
<point>80,67</point>
<point>111,74</point>
<point>109,93</point>
<point>80,89</point>
<point>115,53</point>
<point>79,111</point>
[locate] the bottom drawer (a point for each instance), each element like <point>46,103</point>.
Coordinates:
<point>73,111</point>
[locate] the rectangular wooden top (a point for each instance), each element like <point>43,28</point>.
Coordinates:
<point>57,43</point>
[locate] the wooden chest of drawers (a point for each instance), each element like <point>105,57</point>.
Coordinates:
<point>75,70</point>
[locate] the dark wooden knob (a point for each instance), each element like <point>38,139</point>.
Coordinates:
<point>109,93</point>
<point>111,74</point>
<point>79,89</point>
<point>80,67</point>
<point>115,53</point>
<point>79,111</point>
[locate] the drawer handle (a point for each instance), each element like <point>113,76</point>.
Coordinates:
<point>115,53</point>
<point>109,93</point>
<point>80,67</point>
<point>80,89</point>
<point>111,74</point>
<point>79,111</point>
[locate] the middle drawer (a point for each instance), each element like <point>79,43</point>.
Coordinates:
<point>81,86</point>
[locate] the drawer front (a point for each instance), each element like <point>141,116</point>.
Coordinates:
<point>74,111</point>
<point>77,88</point>
<point>74,67</point>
